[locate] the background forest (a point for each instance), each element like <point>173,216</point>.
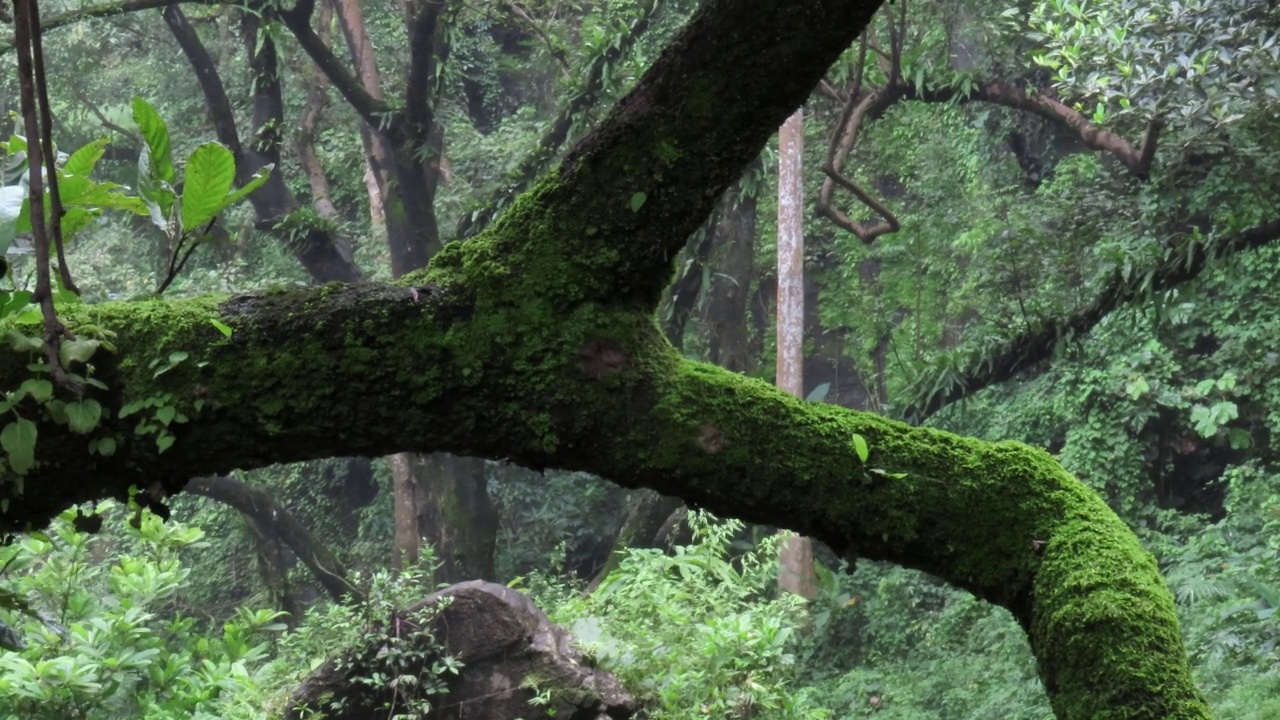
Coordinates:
<point>1049,221</point>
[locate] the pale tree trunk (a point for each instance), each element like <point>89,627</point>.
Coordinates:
<point>795,560</point>
<point>376,215</point>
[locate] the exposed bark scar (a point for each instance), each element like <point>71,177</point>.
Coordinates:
<point>602,357</point>
<point>711,439</point>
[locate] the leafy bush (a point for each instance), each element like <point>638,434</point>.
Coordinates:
<point>701,633</point>
<point>100,639</point>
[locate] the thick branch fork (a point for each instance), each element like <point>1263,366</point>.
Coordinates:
<point>535,341</point>
<point>376,369</point>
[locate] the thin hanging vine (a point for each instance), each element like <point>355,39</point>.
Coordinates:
<point>42,165</point>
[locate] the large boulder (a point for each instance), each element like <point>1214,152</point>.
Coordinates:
<point>511,654</point>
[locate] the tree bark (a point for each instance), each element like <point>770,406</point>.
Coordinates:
<point>795,556</point>
<point>535,341</point>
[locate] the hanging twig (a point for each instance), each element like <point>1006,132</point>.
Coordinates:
<point>30,72</point>
<point>51,153</point>
<point>178,259</point>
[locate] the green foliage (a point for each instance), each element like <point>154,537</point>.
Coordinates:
<point>572,517</point>
<point>101,640</point>
<point>209,175</point>
<point>1151,59</point>
<point>699,632</point>
<point>98,632</point>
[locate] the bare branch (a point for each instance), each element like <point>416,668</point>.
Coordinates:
<point>105,10</point>
<point>206,71</point>
<point>259,505</point>
<point>373,111</point>
<point>857,108</point>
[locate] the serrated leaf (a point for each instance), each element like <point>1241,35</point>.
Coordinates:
<point>40,390</point>
<point>860,447</point>
<point>156,136</point>
<point>83,415</point>
<point>18,439</point>
<point>210,173</point>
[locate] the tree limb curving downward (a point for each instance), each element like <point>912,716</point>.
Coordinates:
<point>535,341</point>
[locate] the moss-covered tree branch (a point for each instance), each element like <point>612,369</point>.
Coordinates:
<point>375,369</point>
<point>535,341</point>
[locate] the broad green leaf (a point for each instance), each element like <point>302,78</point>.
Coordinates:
<point>78,350</point>
<point>83,161</point>
<point>819,394</point>
<point>15,302</point>
<point>83,415</point>
<point>157,194</point>
<point>156,135</point>
<point>210,173</point>
<point>23,343</point>
<point>133,407</point>
<point>254,183</point>
<point>40,390</point>
<point>108,195</point>
<point>15,145</point>
<point>165,414</point>
<point>107,446</point>
<point>637,201</point>
<point>76,219</point>
<point>18,439</point>
<point>860,447</point>
<point>12,198</point>
<point>164,442</point>
<point>222,328</point>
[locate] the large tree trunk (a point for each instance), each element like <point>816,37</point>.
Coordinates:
<point>535,341</point>
<point>729,257</point>
<point>444,500</point>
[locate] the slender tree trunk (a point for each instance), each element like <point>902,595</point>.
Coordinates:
<point>795,572</point>
<point>444,500</point>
